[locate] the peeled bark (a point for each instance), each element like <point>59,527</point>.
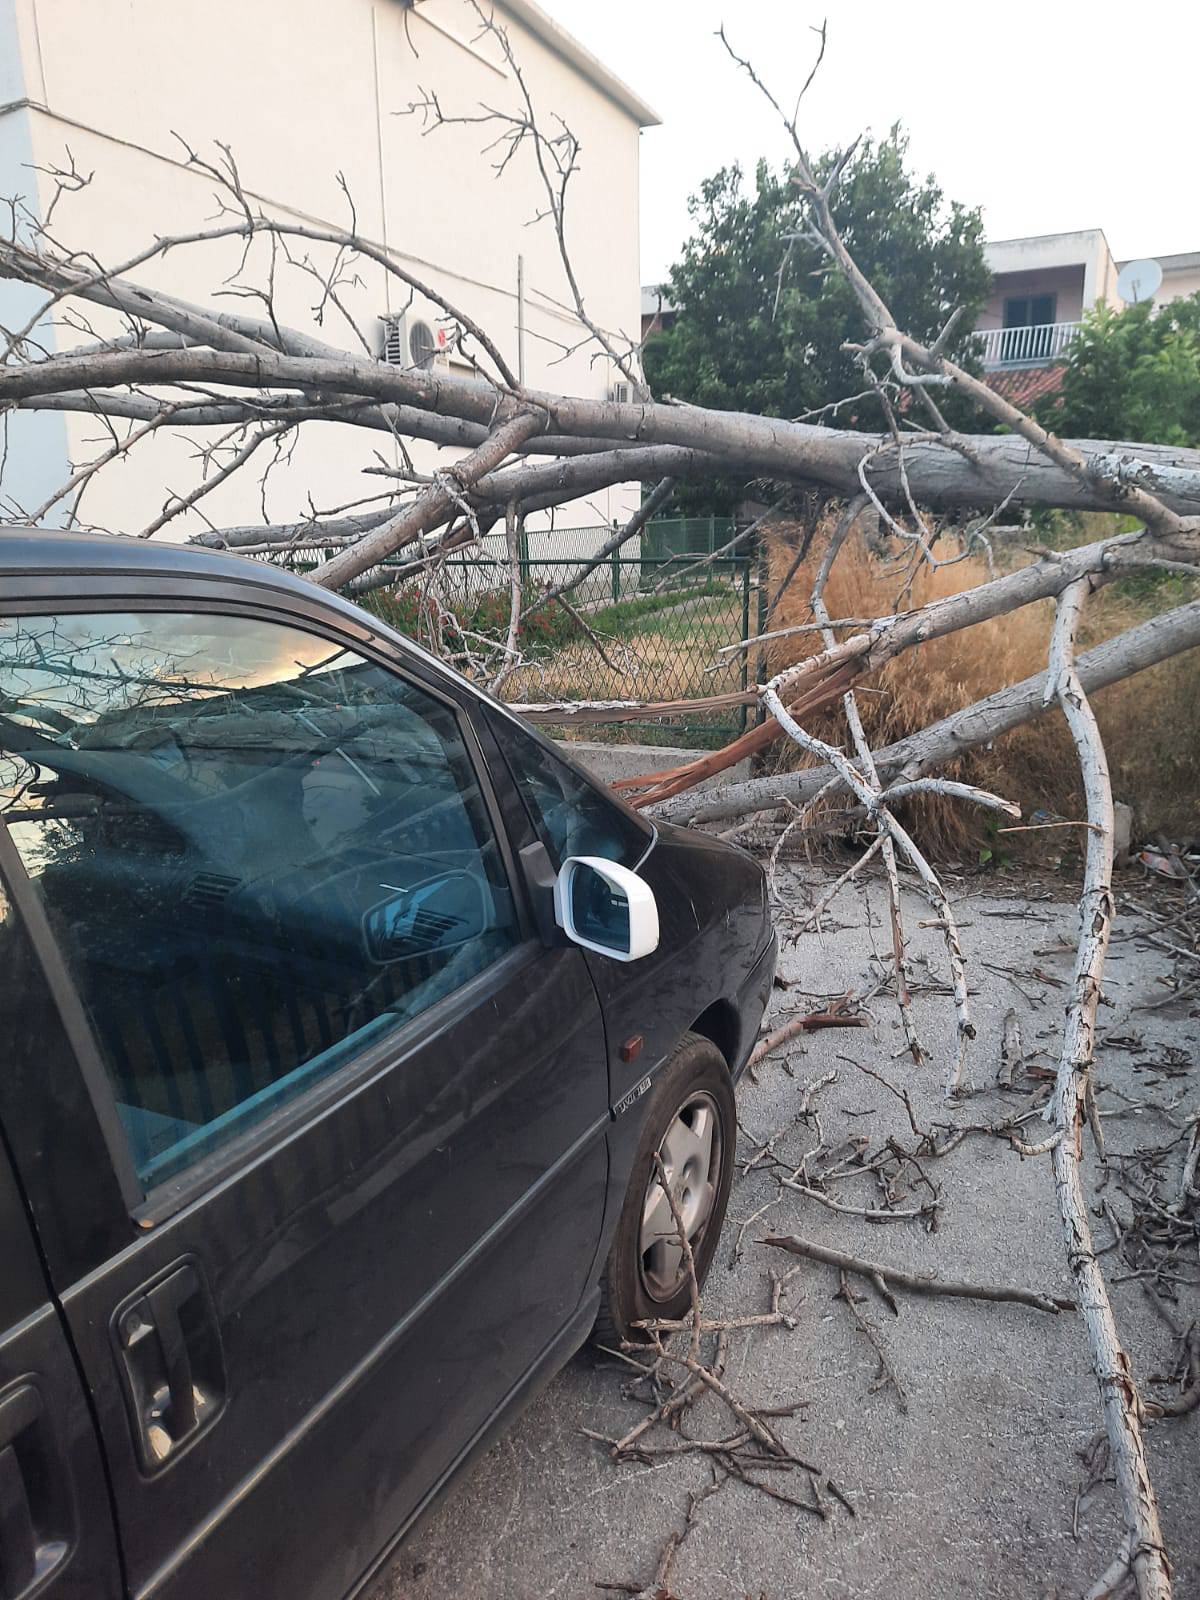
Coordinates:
<point>1118,1392</point>
<point>890,636</point>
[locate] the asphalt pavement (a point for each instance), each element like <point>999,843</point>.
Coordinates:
<point>976,1482</point>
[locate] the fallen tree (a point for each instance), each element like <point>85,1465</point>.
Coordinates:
<point>159,363</point>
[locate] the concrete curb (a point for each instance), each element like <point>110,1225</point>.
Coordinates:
<point>610,761</point>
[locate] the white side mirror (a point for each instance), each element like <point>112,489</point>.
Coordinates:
<point>606,907</point>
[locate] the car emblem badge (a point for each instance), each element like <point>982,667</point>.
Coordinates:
<point>626,1100</point>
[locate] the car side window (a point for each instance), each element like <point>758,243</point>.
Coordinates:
<point>259,853</point>
<point>572,817</point>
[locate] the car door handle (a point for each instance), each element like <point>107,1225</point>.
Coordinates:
<point>165,1302</point>
<point>25,1557</point>
<point>170,1353</point>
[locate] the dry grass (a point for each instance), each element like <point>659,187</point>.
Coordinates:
<point>1148,721</point>
<point>1152,731</point>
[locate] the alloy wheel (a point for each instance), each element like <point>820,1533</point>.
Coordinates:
<point>690,1152</point>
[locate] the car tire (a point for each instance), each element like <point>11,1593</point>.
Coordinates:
<point>691,1108</point>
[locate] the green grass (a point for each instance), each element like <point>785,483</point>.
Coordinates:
<point>707,623</point>
<point>617,617</point>
<point>694,734</point>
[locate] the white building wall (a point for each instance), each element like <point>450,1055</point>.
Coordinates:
<point>33,446</point>
<point>302,90</point>
<point>1053,262</point>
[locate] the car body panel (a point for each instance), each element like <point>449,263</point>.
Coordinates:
<point>54,1462</point>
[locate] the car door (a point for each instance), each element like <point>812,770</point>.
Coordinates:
<point>336,1185</point>
<point>56,1532</point>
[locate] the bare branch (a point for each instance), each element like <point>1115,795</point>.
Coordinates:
<point>915,1282</point>
<point>439,501</point>
<point>1118,1392</point>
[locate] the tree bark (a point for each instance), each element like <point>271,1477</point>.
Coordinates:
<point>1118,1392</point>
<point>441,499</point>
<point>890,636</point>
<point>1001,466</point>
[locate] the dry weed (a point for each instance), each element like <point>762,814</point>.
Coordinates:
<point>1148,721</point>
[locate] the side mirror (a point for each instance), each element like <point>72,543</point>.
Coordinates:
<point>606,907</point>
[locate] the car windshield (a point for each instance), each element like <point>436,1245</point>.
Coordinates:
<point>189,724</point>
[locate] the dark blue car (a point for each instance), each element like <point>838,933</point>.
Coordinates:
<point>343,1019</point>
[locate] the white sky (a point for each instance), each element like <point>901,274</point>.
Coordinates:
<point>1051,116</point>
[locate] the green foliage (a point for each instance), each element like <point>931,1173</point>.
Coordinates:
<point>1132,374</point>
<point>992,853</point>
<point>412,611</point>
<point>745,339</point>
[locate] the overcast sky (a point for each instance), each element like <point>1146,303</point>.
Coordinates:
<point>1051,116</point>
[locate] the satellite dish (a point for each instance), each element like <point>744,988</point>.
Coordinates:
<point>1139,280</point>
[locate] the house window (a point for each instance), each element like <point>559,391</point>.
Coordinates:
<point>1029,310</point>
<point>1027,323</point>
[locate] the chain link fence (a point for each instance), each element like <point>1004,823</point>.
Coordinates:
<point>644,623</point>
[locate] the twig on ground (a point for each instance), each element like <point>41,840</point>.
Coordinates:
<point>835,1016</point>
<point>657,1588</point>
<point>886,1376</point>
<point>917,1283</point>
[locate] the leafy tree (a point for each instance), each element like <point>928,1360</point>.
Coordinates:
<point>761,319</point>
<point>1132,374</point>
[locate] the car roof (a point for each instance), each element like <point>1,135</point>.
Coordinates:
<point>55,551</point>
<point>29,552</point>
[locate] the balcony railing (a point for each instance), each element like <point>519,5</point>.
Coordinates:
<point>1025,347</point>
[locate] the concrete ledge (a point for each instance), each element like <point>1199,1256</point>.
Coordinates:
<point>610,761</point>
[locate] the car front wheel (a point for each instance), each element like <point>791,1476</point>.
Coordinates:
<point>691,1125</point>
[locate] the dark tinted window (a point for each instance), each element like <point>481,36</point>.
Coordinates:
<point>259,853</point>
<point>22,1006</point>
<point>1026,311</point>
<point>571,816</point>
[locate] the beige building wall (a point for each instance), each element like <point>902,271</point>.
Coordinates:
<point>1181,277</point>
<point>302,91</point>
<point>1065,283</point>
<point>1078,267</point>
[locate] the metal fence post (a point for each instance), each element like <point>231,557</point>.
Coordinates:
<point>764,584</point>
<point>616,572</point>
<point>744,719</point>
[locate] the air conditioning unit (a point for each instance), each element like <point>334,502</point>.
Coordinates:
<point>410,340</point>
<point>620,393</point>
